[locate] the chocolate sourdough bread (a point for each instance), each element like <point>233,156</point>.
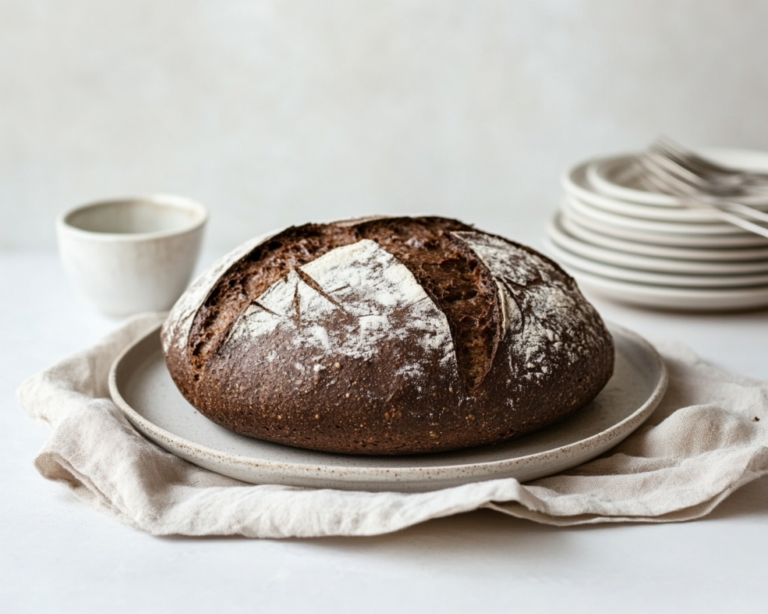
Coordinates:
<point>386,336</point>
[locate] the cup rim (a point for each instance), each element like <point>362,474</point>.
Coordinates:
<point>173,200</point>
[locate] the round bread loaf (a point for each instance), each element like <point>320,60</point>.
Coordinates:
<point>386,336</point>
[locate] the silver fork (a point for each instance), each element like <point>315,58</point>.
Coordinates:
<point>659,173</point>
<point>708,170</point>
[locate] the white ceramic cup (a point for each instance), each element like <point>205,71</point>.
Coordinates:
<point>132,254</point>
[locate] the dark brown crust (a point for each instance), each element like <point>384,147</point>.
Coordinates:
<point>252,275</point>
<point>461,286</point>
<point>363,407</point>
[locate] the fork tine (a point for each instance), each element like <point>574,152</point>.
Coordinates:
<point>678,169</point>
<point>657,173</point>
<point>696,172</point>
<point>688,154</point>
<point>718,183</point>
<point>673,177</point>
<point>685,155</point>
<point>700,164</point>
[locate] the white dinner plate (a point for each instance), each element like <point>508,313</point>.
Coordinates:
<point>603,222</point>
<point>653,226</point>
<point>142,388</point>
<point>620,273</point>
<point>615,176</point>
<point>560,237</point>
<point>588,235</point>
<point>577,184</point>
<point>674,299</point>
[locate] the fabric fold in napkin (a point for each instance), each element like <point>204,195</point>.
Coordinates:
<point>706,439</point>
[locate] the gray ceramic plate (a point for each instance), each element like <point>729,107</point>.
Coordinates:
<point>143,389</point>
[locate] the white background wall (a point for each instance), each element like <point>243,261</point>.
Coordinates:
<point>274,113</point>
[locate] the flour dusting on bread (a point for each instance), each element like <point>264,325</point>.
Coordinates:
<point>349,302</point>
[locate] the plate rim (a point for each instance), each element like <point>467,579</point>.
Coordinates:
<point>588,216</point>
<point>651,250</point>
<point>675,292</point>
<point>699,229</point>
<point>576,183</point>
<point>560,236</point>
<point>603,184</point>
<point>653,278</point>
<point>613,435</point>
<point>581,183</point>
<point>660,238</point>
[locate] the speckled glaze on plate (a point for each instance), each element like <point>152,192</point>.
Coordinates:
<point>142,388</point>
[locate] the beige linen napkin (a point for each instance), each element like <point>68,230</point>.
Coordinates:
<point>707,438</point>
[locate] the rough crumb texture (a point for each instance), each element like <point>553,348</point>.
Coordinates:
<point>387,336</point>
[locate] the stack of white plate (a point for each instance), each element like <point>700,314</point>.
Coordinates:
<point>625,243</point>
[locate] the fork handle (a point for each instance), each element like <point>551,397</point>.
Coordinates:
<point>743,209</point>
<point>726,215</point>
<point>731,205</point>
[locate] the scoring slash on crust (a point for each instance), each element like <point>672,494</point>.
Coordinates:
<point>349,302</point>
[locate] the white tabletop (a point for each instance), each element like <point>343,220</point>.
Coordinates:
<point>58,555</point>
